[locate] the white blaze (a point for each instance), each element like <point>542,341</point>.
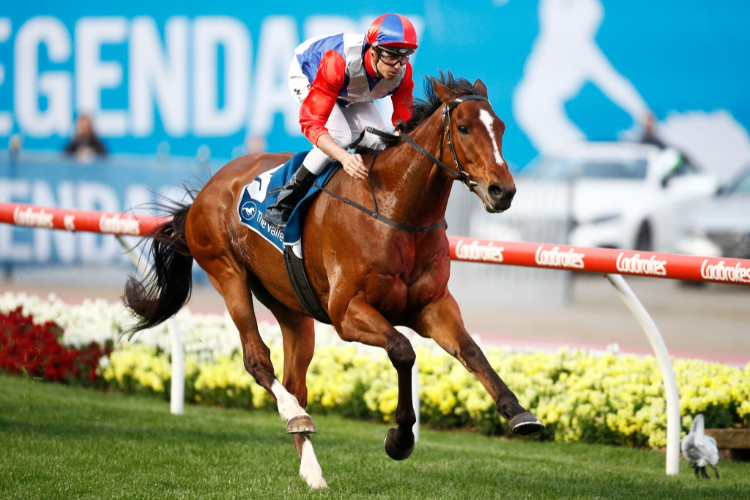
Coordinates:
<point>489,122</point>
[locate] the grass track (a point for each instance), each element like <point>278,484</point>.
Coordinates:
<point>62,442</point>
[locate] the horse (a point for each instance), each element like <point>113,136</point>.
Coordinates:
<point>367,276</point>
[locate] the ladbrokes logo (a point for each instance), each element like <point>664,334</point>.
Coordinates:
<point>30,217</point>
<point>479,252</point>
<point>119,224</point>
<point>637,265</point>
<point>555,258</point>
<point>720,272</point>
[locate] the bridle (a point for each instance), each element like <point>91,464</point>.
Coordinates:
<point>445,132</point>
<point>458,174</point>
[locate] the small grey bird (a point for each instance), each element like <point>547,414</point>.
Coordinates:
<point>700,450</point>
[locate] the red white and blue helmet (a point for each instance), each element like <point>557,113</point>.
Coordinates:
<point>392,31</point>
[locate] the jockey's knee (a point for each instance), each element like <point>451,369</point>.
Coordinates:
<point>316,161</point>
<point>373,142</point>
<point>342,138</point>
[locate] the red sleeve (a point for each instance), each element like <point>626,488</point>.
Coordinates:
<point>403,99</point>
<point>324,90</point>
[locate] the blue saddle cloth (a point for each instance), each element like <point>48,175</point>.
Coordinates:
<point>262,192</point>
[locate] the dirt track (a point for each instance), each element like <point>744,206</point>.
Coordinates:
<point>711,322</point>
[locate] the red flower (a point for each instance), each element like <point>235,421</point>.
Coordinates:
<point>36,350</point>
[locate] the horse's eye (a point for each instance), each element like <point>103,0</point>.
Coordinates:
<point>463,130</point>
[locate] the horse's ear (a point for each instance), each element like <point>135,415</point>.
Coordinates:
<point>481,88</point>
<point>444,93</point>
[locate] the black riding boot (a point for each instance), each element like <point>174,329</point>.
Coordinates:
<point>291,194</point>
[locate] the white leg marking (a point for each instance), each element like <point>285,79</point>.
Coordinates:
<point>288,405</point>
<point>309,468</point>
<point>488,121</point>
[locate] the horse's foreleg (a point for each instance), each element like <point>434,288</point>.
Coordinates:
<point>442,322</point>
<point>362,323</point>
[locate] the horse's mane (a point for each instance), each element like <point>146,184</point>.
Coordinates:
<point>424,108</point>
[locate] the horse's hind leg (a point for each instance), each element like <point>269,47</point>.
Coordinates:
<point>299,344</point>
<point>442,322</point>
<point>234,286</point>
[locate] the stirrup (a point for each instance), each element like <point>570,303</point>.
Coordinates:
<point>277,217</point>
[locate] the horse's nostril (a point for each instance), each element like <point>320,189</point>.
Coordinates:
<point>495,191</point>
<point>510,193</point>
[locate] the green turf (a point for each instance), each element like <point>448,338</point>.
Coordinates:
<point>61,442</point>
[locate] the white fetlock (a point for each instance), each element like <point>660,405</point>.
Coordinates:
<point>287,404</point>
<point>309,468</point>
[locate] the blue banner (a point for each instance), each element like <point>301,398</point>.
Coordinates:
<point>117,185</point>
<point>176,76</point>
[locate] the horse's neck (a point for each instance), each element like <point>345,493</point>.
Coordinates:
<point>418,190</point>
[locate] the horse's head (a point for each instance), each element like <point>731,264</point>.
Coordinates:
<point>476,135</point>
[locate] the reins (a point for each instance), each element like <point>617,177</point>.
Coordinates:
<point>458,174</point>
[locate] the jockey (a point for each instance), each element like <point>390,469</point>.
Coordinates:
<point>336,79</point>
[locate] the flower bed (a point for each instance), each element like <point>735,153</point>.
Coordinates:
<point>34,349</point>
<point>581,396</point>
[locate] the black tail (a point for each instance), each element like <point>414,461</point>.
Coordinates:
<point>167,287</point>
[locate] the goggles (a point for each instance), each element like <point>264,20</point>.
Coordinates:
<point>391,57</point>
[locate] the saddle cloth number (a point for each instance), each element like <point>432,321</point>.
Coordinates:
<point>258,189</point>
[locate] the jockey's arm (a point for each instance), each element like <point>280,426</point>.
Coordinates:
<point>403,99</point>
<point>317,106</point>
<point>353,164</point>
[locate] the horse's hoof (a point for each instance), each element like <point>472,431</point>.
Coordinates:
<point>525,424</point>
<point>302,424</point>
<point>395,449</point>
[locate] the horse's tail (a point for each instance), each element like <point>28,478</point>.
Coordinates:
<point>166,289</point>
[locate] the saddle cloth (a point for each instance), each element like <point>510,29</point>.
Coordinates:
<point>262,192</point>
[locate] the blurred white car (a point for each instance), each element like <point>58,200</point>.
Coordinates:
<point>622,195</point>
<point>720,227</point>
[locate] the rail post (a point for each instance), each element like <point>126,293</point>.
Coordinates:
<point>177,394</point>
<point>671,393</point>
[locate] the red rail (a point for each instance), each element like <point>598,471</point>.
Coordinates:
<point>602,260</point>
<point>593,260</point>
<point>78,220</point>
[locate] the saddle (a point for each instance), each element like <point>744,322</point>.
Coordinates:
<point>257,197</point>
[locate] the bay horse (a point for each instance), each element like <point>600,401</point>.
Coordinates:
<point>368,276</point>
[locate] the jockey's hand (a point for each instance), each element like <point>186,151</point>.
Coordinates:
<point>354,166</point>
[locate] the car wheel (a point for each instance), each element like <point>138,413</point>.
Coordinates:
<point>644,240</point>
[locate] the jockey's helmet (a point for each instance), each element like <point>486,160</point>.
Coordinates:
<point>394,33</point>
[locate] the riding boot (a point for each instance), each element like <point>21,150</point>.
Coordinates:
<point>292,193</point>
